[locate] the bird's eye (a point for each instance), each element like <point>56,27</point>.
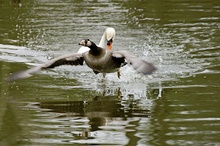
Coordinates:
<point>109,42</point>
<point>86,41</point>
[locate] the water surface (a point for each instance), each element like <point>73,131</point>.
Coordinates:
<point>178,105</point>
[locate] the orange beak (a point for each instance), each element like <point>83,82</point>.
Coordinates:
<point>109,44</point>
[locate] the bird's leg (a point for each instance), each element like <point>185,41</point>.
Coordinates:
<point>119,93</point>
<point>118,73</point>
<point>104,74</point>
<point>103,79</point>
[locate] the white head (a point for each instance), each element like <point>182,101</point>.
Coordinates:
<point>110,33</point>
<point>110,36</point>
<point>107,38</point>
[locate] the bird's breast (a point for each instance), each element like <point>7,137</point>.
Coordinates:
<point>101,63</point>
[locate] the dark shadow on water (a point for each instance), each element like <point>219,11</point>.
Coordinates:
<point>99,111</point>
<point>96,109</point>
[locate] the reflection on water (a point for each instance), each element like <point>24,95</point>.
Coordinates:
<point>178,105</point>
<point>95,121</point>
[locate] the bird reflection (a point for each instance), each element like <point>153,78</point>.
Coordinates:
<point>110,107</point>
<point>98,109</point>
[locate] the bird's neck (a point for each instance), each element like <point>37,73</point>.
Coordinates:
<point>102,41</point>
<point>95,50</point>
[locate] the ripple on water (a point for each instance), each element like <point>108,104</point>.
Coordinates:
<point>180,38</point>
<point>72,129</point>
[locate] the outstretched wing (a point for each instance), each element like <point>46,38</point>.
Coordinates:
<point>69,59</point>
<point>138,64</point>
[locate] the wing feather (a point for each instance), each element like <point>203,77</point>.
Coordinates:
<point>138,64</point>
<point>69,59</point>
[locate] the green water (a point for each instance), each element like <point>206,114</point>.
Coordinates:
<point>178,105</point>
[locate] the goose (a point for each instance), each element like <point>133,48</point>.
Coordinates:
<point>105,42</point>
<point>100,60</point>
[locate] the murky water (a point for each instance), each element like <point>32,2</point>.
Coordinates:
<point>178,105</point>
